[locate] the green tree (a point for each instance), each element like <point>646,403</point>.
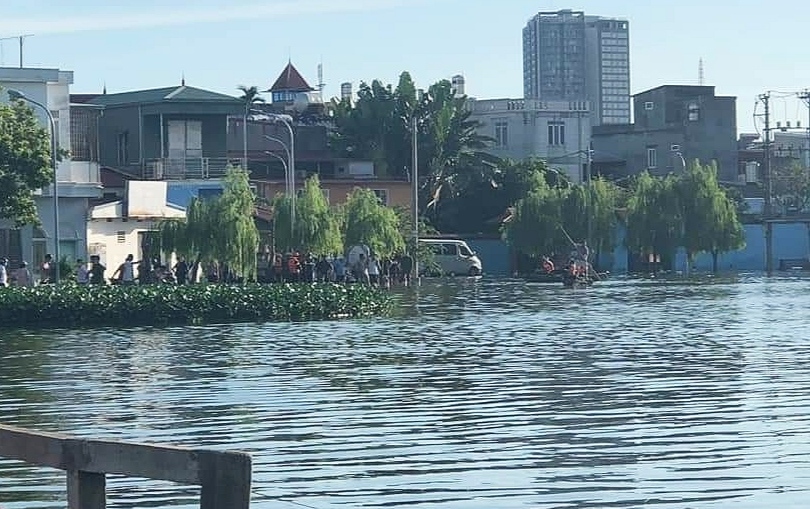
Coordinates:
<point>369,222</point>
<point>25,162</point>
<point>790,183</point>
<point>486,193</point>
<point>710,221</point>
<point>534,226</point>
<point>654,220</point>
<point>378,127</point>
<point>219,230</point>
<point>317,227</point>
<point>250,97</point>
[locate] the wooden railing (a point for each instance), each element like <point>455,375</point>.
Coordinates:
<point>224,477</point>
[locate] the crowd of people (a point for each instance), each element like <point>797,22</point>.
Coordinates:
<point>363,267</point>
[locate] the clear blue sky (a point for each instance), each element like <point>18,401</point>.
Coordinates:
<point>747,46</point>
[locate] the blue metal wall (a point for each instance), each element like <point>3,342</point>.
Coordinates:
<point>495,255</point>
<point>182,192</point>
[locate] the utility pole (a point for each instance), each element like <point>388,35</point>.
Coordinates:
<point>415,205</point>
<point>766,176</point>
<point>805,97</point>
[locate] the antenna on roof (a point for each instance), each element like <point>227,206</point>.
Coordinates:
<point>21,39</point>
<point>183,79</point>
<point>700,72</point>
<point>320,77</point>
<point>104,90</point>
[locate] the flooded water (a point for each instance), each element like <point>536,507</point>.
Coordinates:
<point>487,394</point>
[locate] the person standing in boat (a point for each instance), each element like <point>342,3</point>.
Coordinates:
<point>548,265</point>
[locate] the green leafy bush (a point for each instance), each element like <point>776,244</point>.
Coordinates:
<point>72,305</point>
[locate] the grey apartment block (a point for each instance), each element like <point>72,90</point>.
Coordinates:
<point>673,124</point>
<point>570,56</point>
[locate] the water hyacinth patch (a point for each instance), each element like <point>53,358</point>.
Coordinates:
<point>71,305</point>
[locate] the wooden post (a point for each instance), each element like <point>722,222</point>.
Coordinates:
<point>225,479</point>
<point>224,476</point>
<point>86,490</point>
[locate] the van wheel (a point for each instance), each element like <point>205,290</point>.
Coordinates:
<point>474,272</point>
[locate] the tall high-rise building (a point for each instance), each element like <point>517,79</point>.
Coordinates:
<point>570,56</point>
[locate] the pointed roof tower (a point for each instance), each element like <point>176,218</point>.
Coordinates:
<point>290,80</point>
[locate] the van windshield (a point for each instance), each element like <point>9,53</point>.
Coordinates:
<point>463,250</point>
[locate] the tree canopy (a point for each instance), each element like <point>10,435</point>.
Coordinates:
<point>219,230</point>
<point>25,162</point>
<point>369,222</point>
<point>317,228</point>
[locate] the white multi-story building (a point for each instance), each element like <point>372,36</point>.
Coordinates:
<point>78,173</point>
<point>556,131</point>
<point>570,56</point>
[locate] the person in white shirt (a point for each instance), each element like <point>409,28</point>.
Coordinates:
<point>3,272</point>
<point>82,274</point>
<point>126,271</point>
<point>373,270</point>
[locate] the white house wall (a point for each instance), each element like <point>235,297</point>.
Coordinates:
<point>114,239</point>
<point>527,131</point>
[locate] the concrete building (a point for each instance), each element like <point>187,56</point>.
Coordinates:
<point>673,124</point>
<point>119,228</point>
<point>557,131</point>
<point>570,56</point>
<point>78,174</point>
<point>171,133</point>
<point>793,146</point>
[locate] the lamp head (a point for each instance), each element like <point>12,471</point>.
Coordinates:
<point>16,95</point>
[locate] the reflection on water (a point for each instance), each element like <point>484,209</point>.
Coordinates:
<point>478,394</point>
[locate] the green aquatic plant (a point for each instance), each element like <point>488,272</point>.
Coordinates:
<point>89,306</point>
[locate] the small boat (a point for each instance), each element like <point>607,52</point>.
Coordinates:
<point>544,277</point>
<point>583,281</point>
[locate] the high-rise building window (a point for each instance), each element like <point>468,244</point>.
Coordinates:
<point>556,133</point>
<point>693,112</point>
<point>501,133</point>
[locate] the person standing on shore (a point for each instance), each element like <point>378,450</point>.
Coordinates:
<point>3,272</point>
<point>82,274</point>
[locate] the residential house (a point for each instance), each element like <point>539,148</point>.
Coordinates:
<point>556,131</point>
<point>268,147</point>
<point>673,125</point>
<point>171,133</point>
<point>76,129</point>
<point>119,228</point>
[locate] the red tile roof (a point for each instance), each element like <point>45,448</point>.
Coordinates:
<point>291,80</point>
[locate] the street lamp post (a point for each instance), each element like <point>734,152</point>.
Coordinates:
<point>16,95</point>
<point>283,161</point>
<point>287,178</point>
<point>287,121</point>
<point>415,177</point>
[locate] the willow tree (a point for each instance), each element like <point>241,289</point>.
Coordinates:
<point>534,226</point>
<point>710,221</point>
<point>317,228</point>
<point>369,222</point>
<point>218,230</point>
<point>654,220</point>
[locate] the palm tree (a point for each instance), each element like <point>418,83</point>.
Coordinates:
<point>452,142</point>
<point>250,96</point>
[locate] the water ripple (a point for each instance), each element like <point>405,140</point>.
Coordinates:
<point>477,394</point>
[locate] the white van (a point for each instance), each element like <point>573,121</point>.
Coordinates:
<point>453,257</point>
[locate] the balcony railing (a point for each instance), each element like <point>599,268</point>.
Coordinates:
<point>183,169</point>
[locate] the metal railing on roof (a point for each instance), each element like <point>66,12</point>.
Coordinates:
<point>189,168</point>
